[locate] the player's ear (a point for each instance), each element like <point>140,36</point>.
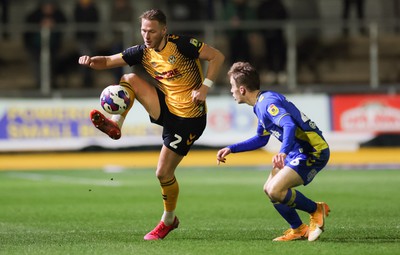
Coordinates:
<point>164,30</point>
<point>242,90</point>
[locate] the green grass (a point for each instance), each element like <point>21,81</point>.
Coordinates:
<point>222,211</point>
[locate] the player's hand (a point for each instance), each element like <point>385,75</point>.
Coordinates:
<point>95,62</point>
<point>85,60</point>
<point>278,161</point>
<point>199,96</point>
<point>221,154</point>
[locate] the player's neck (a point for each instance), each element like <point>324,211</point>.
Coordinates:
<point>162,44</point>
<point>253,97</point>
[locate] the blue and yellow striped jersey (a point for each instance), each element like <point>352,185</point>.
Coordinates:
<point>274,111</point>
<point>177,70</point>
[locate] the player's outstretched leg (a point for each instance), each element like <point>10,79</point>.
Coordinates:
<point>105,125</point>
<point>161,230</point>
<point>317,221</point>
<point>112,127</point>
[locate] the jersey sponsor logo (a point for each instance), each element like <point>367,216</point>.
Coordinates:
<point>194,42</point>
<point>273,110</point>
<point>190,140</point>
<point>169,75</point>
<point>172,59</point>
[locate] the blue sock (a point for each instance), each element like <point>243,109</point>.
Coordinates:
<point>297,200</point>
<point>289,214</point>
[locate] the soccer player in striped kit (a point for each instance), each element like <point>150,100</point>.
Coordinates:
<point>303,153</point>
<point>175,101</point>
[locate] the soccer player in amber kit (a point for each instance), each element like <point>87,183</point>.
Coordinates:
<point>304,152</point>
<point>176,102</point>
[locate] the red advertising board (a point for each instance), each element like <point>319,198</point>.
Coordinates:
<point>366,113</point>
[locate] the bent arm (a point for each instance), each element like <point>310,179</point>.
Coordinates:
<point>215,60</point>
<point>102,62</point>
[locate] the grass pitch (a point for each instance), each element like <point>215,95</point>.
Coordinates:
<point>222,211</point>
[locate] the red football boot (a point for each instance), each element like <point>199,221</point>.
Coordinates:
<point>161,230</point>
<point>105,125</point>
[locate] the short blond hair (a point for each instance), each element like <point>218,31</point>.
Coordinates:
<point>154,14</point>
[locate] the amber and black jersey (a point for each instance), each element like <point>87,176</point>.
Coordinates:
<point>177,70</point>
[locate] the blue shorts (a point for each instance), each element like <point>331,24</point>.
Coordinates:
<point>307,165</point>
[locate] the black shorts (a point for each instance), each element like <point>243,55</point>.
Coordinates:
<point>179,133</point>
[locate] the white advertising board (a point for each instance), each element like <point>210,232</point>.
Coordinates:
<point>64,124</point>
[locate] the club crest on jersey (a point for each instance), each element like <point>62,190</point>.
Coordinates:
<point>273,110</point>
<point>172,59</point>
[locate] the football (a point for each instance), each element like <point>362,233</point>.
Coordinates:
<point>115,99</point>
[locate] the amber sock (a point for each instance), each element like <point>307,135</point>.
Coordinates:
<point>170,192</point>
<point>120,118</point>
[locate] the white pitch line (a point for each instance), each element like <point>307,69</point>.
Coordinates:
<point>63,179</point>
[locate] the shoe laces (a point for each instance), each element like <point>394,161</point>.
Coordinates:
<point>288,232</point>
<point>160,227</point>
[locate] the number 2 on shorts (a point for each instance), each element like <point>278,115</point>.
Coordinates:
<point>173,144</point>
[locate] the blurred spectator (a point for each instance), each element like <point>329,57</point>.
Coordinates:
<point>396,11</point>
<point>274,40</point>
<point>86,13</point>
<point>49,15</point>
<point>359,5</point>
<point>237,11</point>
<point>4,16</point>
<point>210,9</point>
<point>184,10</point>
<point>121,11</point>
<point>309,45</point>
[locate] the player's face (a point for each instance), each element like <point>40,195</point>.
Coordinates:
<point>153,33</point>
<point>235,90</point>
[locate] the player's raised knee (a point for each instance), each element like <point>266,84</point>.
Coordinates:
<point>129,78</point>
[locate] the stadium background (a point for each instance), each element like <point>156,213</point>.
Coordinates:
<point>66,188</point>
<point>351,92</point>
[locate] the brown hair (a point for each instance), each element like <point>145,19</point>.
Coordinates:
<point>246,75</point>
<point>154,14</point>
